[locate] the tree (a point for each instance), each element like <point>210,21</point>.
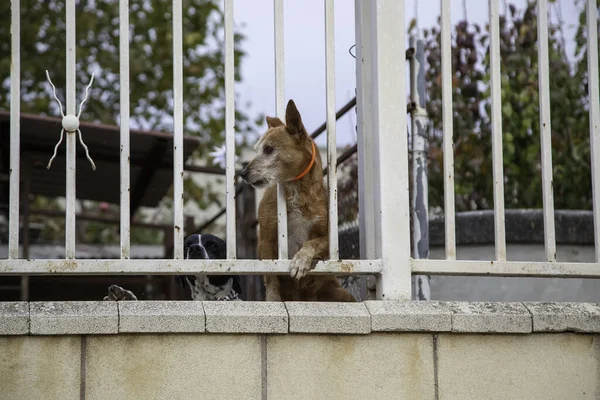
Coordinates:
<point>520,116</point>
<point>151,66</point>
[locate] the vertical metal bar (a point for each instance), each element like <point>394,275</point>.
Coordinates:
<point>497,160</point>
<point>25,288</point>
<point>124,108</point>
<point>368,221</point>
<point>449,209</point>
<point>545,130</point>
<point>592,59</point>
<point>280,106</point>
<point>334,253</point>
<point>15,129</point>
<point>420,137</point>
<point>71,77</point>
<point>27,167</point>
<point>392,148</point>
<point>177,130</point>
<point>230,130</point>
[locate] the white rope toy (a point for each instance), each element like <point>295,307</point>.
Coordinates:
<point>70,122</point>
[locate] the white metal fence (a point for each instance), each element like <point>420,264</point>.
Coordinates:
<point>383,156</point>
<point>500,266</point>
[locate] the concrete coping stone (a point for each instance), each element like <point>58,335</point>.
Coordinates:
<point>564,317</point>
<point>410,316</point>
<point>488,317</point>
<point>161,316</point>
<point>14,318</point>
<point>108,317</point>
<point>245,317</point>
<point>319,317</point>
<point>74,318</point>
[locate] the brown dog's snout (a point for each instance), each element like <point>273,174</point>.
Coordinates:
<point>244,174</point>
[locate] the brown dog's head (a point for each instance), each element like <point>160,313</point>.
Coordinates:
<point>282,153</point>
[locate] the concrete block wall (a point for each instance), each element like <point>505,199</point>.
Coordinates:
<point>245,350</point>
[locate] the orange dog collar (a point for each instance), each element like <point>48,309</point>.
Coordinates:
<point>310,165</point>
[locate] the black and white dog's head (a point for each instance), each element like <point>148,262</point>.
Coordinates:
<point>209,287</point>
<point>204,247</point>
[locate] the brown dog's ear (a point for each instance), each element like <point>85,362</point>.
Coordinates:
<point>293,121</point>
<point>274,122</point>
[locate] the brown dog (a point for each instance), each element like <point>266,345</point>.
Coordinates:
<point>287,155</point>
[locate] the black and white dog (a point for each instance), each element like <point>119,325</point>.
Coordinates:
<point>202,287</point>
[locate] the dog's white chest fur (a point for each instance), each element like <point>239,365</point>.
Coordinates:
<point>298,225</point>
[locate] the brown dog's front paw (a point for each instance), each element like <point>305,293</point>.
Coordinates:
<point>117,293</point>
<point>272,295</point>
<point>301,264</point>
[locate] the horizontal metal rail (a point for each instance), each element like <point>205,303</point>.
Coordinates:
<point>180,267</point>
<point>537,269</point>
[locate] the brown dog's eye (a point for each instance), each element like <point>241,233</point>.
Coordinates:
<point>267,149</point>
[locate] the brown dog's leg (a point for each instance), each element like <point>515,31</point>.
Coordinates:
<point>272,292</point>
<point>341,295</point>
<point>332,291</point>
<point>267,250</point>
<point>302,262</point>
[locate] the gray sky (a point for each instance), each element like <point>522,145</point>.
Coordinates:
<point>305,52</point>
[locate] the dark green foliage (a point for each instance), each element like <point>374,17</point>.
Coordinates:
<point>520,115</point>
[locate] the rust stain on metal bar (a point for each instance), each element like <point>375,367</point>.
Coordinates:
<point>346,267</point>
<point>63,266</point>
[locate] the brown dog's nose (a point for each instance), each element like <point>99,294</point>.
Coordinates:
<point>244,173</point>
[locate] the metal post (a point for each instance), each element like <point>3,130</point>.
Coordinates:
<point>368,223</point>
<point>15,129</point>
<point>594,95</point>
<point>497,158</point>
<point>177,130</point>
<point>71,76</point>
<point>391,145</point>
<point>282,229</point>
<point>125,198</point>
<point>230,130</point>
<point>420,137</point>
<point>546,131</point>
<point>447,128</point>
<point>334,249</point>
<point>25,222</point>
